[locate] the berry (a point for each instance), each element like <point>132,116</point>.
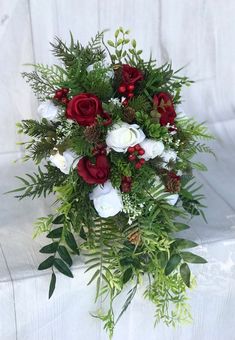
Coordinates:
<point>142,161</point>
<point>141,152</point>
<point>131,149</point>
<point>64,100</point>
<point>122,89</point>
<point>128,179</point>
<point>58,94</point>
<point>65,90</point>
<point>130,87</point>
<point>132,157</point>
<point>138,165</point>
<point>137,147</point>
<point>125,102</point>
<point>130,95</point>
<point>125,187</point>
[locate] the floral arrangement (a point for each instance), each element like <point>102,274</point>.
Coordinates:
<point>116,150</point>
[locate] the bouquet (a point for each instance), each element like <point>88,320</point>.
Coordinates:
<point>116,150</point>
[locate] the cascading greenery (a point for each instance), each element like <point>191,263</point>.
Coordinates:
<point>138,245</point>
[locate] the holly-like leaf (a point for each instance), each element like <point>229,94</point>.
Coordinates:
<point>55,233</point>
<point>172,263</point>
<point>47,263</point>
<point>64,254</point>
<point>52,285</point>
<point>185,274</point>
<point>192,258</point>
<point>62,267</point>
<point>50,248</point>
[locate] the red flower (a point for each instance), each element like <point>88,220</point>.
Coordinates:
<point>164,105</point>
<point>130,75</point>
<point>84,109</point>
<point>97,173</point>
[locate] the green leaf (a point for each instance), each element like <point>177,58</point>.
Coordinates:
<point>64,254</point>
<point>181,243</point>
<point>47,263</point>
<point>111,43</point>
<point>185,274</point>
<point>52,285</point>
<point>192,258</point>
<point>58,220</point>
<point>180,226</point>
<point>50,248</point>
<point>172,263</point>
<point>162,258</point>
<point>127,275</point>
<point>62,267</point>
<point>56,233</point>
<point>71,242</point>
<point>133,43</point>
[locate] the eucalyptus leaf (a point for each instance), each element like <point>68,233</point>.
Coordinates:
<point>47,263</point>
<point>64,254</point>
<point>172,263</point>
<point>192,258</point>
<point>52,285</point>
<point>62,267</point>
<point>185,274</point>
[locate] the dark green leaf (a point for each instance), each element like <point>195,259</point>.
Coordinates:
<point>82,234</point>
<point>47,263</point>
<point>64,254</point>
<point>180,226</point>
<point>56,233</point>
<point>52,285</point>
<point>163,258</point>
<point>127,275</point>
<point>181,243</point>
<point>172,263</point>
<point>62,267</point>
<point>71,242</point>
<point>59,220</point>
<point>192,258</point>
<point>50,248</point>
<point>185,274</point>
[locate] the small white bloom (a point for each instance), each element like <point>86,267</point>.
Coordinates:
<point>172,199</point>
<point>168,155</point>
<point>107,200</point>
<point>122,135</point>
<point>115,101</point>
<point>48,110</point>
<point>152,148</point>
<point>65,161</point>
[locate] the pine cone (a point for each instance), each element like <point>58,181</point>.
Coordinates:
<point>128,114</point>
<point>92,134</point>
<point>173,182</point>
<point>134,237</point>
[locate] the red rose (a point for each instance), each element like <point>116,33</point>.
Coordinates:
<point>84,108</point>
<point>130,75</point>
<point>164,105</point>
<point>97,173</point>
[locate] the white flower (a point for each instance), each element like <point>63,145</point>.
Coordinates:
<point>123,135</point>
<point>168,155</point>
<point>65,161</point>
<point>115,101</point>
<point>172,199</point>
<point>107,200</point>
<point>152,148</point>
<point>48,110</point>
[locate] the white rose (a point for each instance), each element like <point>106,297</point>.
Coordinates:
<point>107,200</point>
<point>65,161</point>
<point>172,199</point>
<point>152,148</point>
<point>123,135</point>
<point>168,155</point>
<point>48,110</point>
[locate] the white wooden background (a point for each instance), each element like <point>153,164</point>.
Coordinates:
<point>197,34</point>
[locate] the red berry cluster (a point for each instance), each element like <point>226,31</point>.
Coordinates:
<point>126,184</point>
<point>135,151</point>
<point>127,91</point>
<point>61,95</point>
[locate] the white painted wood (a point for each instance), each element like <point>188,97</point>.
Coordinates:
<point>198,34</point>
